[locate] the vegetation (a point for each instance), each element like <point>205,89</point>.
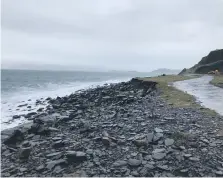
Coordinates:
<point>175,97</point>
<point>217,81</point>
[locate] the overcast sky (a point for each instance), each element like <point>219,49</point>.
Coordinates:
<point>137,35</point>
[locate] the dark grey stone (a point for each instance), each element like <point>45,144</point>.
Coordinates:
<point>134,162</point>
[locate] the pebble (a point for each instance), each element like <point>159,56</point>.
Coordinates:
<point>169,142</point>
<point>182,147</point>
<point>120,163</point>
<point>158,130</point>
<point>187,155</point>
<point>158,156</point>
<point>134,162</point>
<point>194,159</point>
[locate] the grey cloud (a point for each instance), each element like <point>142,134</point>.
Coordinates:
<point>127,34</point>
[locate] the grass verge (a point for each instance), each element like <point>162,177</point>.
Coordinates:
<point>217,81</point>
<point>175,97</point>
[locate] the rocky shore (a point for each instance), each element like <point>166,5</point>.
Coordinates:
<point>116,130</point>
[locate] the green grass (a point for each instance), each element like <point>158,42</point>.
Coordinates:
<point>217,81</point>
<point>175,97</point>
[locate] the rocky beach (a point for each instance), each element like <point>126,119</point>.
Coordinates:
<point>115,130</point>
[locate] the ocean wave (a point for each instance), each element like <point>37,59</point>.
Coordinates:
<point>29,95</point>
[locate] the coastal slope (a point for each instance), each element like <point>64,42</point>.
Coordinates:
<point>213,61</point>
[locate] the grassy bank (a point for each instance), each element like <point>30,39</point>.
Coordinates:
<point>217,81</point>
<point>175,97</point>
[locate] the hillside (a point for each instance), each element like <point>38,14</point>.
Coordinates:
<point>164,71</point>
<point>213,61</point>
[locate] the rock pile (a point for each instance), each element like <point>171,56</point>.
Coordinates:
<point>118,130</point>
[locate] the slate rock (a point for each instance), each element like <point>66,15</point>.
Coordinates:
<point>14,138</point>
<point>158,156</point>
<point>52,164</point>
<point>40,168</point>
<point>106,141</point>
<point>58,144</point>
<point>149,137</point>
<point>140,143</point>
<point>134,162</point>
<point>194,159</point>
<point>24,153</point>
<point>120,163</point>
<point>157,137</point>
<point>76,156</point>
<point>16,117</point>
<point>158,130</point>
<point>55,154</point>
<point>169,142</point>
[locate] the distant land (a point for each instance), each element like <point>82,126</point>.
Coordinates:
<point>165,71</point>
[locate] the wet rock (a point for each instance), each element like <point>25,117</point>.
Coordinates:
<point>22,105</point>
<point>134,162</point>
<point>39,129</point>
<point>16,117</point>
<point>48,99</point>
<point>29,115</point>
<point>40,109</point>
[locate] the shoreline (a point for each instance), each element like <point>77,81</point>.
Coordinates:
<point>114,130</point>
<point>29,105</point>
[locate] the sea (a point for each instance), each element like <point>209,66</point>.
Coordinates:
<point>26,86</point>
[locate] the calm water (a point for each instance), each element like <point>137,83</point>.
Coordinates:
<point>19,86</point>
<point>210,96</point>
